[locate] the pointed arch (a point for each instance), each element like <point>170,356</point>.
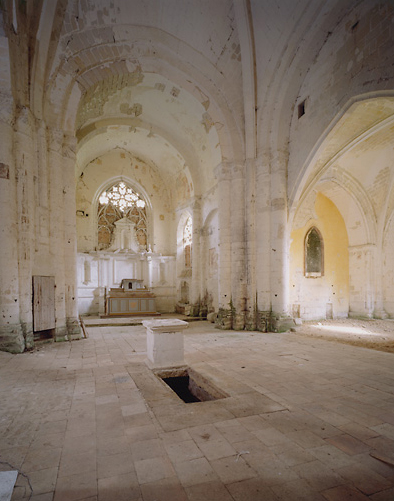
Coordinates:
<point>313,253</point>
<point>107,213</point>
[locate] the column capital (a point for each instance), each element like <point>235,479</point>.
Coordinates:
<point>69,146</point>
<point>24,120</point>
<point>279,159</point>
<point>55,137</point>
<point>223,171</point>
<point>238,171</point>
<point>196,204</point>
<point>226,171</point>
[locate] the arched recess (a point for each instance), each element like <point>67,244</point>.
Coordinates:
<point>322,293</point>
<point>352,164</point>
<point>362,118</point>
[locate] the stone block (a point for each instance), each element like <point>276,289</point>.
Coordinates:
<point>211,317</point>
<point>11,339</point>
<point>165,342</point>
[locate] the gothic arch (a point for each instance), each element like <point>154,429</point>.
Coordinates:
<point>363,116</point>
<point>313,253</point>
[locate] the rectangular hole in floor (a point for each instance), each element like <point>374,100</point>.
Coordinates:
<point>190,386</point>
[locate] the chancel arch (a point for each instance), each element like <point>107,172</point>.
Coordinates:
<point>134,243</point>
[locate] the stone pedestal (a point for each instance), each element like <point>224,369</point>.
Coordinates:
<point>165,343</point>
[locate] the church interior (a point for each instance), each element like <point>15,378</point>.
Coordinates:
<point>229,163</point>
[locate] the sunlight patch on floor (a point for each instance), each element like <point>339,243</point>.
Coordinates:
<point>338,329</point>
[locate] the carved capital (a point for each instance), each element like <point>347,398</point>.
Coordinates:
<point>24,121</point>
<point>226,171</point>
<point>69,146</point>
<point>196,204</point>
<point>223,172</point>
<point>55,140</point>
<point>238,171</point>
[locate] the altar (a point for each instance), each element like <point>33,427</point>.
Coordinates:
<point>102,288</point>
<point>132,298</point>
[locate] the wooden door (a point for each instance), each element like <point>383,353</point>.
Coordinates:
<point>43,303</point>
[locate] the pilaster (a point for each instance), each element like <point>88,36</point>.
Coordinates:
<point>262,234</point>
<point>279,238</point>
<point>70,236</point>
<point>223,175</point>
<point>250,242</point>
<point>56,225</point>
<point>11,332</point>
<point>25,165</point>
<point>238,246</point>
<point>195,293</point>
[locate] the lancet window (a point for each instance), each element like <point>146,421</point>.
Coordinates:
<point>115,203</point>
<point>314,255</point>
<point>187,242</point>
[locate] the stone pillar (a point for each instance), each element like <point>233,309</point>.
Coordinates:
<point>41,189</point>
<point>149,277</point>
<point>56,205</point>
<point>11,332</point>
<point>250,242</point>
<point>238,244</point>
<point>195,293</point>
<point>263,243</point>
<point>223,175</point>
<point>70,237</point>
<point>25,164</point>
<point>279,244</point>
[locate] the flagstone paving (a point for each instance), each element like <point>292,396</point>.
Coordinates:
<point>304,419</point>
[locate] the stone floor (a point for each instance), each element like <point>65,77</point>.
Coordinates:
<point>87,420</point>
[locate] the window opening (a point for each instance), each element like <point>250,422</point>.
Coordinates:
<point>187,242</point>
<point>314,254</point>
<point>301,109</point>
<point>115,203</point>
